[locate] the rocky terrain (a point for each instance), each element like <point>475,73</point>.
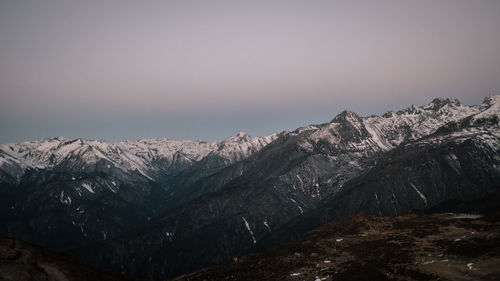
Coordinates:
<point>20,261</point>
<point>448,246</point>
<point>155,209</point>
<point>85,191</point>
<point>316,174</point>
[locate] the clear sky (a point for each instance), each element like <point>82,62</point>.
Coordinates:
<point>207,69</point>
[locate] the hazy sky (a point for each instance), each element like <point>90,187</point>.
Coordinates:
<point>207,69</point>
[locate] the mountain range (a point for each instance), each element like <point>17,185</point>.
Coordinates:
<point>154,209</point>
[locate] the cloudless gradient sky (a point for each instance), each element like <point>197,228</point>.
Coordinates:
<point>207,69</point>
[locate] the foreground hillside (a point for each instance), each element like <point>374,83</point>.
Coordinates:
<point>446,246</point>
<point>21,261</point>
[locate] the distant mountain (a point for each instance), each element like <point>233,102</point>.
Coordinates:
<point>385,165</point>
<point>158,208</point>
<point>150,158</point>
<point>81,191</point>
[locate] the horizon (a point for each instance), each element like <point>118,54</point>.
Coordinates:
<point>244,132</point>
<point>122,70</point>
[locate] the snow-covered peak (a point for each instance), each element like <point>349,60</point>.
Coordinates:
<point>391,129</point>
<point>239,138</point>
<point>240,146</point>
<point>346,115</point>
<point>241,134</point>
<point>490,108</point>
<point>491,100</point>
<point>415,122</point>
<point>412,110</point>
<point>148,156</point>
<point>439,103</point>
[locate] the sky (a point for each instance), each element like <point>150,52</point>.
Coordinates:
<point>118,70</point>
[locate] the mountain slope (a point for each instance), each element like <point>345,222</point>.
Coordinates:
<point>20,261</point>
<point>362,247</point>
<point>329,170</point>
<point>84,191</point>
<point>462,165</point>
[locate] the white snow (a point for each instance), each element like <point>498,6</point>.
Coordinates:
<point>419,193</point>
<point>492,108</point>
<point>267,225</point>
<point>249,229</point>
<point>169,235</point>
<point>65,199</point>
<point>375,133</point>
<point>127,155</point>
<point>300,179</point>
<point>298,206</point>
<point>88,187</point>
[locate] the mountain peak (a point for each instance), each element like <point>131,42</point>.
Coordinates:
<point>444,101</point>
<point>241,134</point>
<point>58,138</point>
<point>240,137</point>
<point>491,99</point>
<point>346,115</point>
<point>438,103</point>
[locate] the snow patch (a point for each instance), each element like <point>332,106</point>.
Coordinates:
<point>267,225</point>
<point>88,187</point>
<point>470,266</point>
<point>298,206</point>
<point>249,229</point>
<point>420,194</point>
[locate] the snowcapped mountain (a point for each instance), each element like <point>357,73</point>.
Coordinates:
<point>382,133</point>
<point>149,157</point>
<point>177,199</point>
<point>440,151</point>
<point>93,190</point>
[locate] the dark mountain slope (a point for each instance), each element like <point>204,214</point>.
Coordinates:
<point>199,204</point>
<point>260,204</point>
<point>64,194</point>
<point>459,166</point>
<point>20,261</point>
<point>279,183</point>
<point>362,247</point>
